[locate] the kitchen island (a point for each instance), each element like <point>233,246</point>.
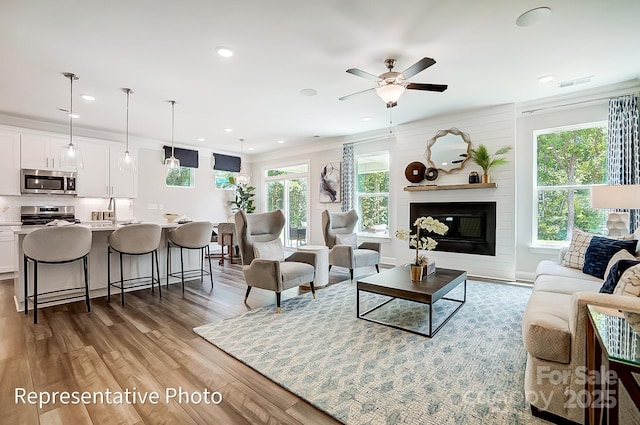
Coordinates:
<point>61,276</point>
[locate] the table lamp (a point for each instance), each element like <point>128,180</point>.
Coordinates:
<point>620,196</point>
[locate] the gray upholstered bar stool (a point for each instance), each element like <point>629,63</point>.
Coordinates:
<point>195,235</point>
<point>134,239</point>
<point>55,245</point>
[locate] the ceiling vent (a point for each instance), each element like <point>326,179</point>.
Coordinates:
<point>570,83</point>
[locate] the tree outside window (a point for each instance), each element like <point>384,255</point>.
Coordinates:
<point>180,177</point>
<point>372,186</point>
<point>569,162</point>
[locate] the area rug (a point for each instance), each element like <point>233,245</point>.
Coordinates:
<point>470,372</point>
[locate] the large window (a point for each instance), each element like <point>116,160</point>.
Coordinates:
<point>180,177</point>
<point>372,193</point>
<point>286,189</point>
<point>569,161</point>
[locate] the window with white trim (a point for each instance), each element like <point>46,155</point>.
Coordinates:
<point>372,193</point>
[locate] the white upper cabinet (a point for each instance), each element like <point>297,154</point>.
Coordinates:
<point>42,152</point>
<point>10,163</point>
<point>101,177</point>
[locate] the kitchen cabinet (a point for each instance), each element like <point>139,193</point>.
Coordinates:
<point>8,260</point>
<point>10,163</point>
<point>101,177</point>
<point>42,152</point>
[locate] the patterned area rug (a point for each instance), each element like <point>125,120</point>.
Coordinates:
<point>470,372</point>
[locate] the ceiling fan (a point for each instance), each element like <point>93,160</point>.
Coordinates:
<point>392,84</point>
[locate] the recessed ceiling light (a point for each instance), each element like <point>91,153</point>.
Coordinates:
<point>225,52</point>
<point>228,130</point>
<point>88,97</point>
<point>200,139</point>
<point>546,78</point>
<point>533,16</point>
<point>308,92</point>
<point>281,141</point>
<point>366,118</point>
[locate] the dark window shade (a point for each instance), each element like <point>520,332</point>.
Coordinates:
<point>187,157</point>
<point>226,162</point>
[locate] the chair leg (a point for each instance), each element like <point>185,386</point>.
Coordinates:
<point>168,263</point>
<point>26,285</point>
<point>108,275</point>
<point>86,283</point>
<point>121,282</point>
<point>351,273</point>
<point>313,290</point>
<point>35,292</point>
<point>246,295</point>
<point>278,298</point>
<point>155,253</point>
<point>182,268</point>
<point>210,269</point>
<point>377,269</point>
<point>329,267</point>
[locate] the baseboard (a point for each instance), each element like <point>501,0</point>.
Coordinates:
<point>551,417</point>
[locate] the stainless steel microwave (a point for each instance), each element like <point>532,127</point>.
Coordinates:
<point>48,182</point>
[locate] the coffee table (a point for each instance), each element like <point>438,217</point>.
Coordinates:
<point>397,283</point>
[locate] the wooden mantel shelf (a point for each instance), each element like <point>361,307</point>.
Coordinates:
<point>451,187</point>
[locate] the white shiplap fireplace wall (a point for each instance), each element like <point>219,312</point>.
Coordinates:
<point>493,127</point>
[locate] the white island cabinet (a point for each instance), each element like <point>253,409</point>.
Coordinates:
<point>101,177</point>
<point>42,152</point>
<point>10,163</point>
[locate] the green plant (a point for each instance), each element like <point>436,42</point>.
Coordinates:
<point>243,198</point>
<point>485,160</point>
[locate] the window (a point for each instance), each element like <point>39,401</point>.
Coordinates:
<point>569,161</point>
<point>287,190</point>
<point>180,177</point>
<point>372,193</point>
<point>222,179</point>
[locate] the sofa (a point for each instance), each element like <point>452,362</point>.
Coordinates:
<point>554,328</point>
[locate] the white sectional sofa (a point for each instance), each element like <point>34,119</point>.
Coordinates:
<point>553,330</point>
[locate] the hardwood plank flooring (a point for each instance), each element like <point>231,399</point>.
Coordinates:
<point>146,346</point>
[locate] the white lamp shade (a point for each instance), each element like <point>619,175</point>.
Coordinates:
<point>390,93</point>
<point>621,196</point>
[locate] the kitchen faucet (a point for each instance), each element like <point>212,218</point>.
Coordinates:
<point>112,200</point>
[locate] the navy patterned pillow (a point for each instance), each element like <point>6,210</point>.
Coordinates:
<point>614,275</point>
<point>600,251</point>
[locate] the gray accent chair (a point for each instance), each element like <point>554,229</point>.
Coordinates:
<point>55,245</point>
<point>194,235</point>
<point>273,275</point>
<point>344,223</point>
<point>134,239</point>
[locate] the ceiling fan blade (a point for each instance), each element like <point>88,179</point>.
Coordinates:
<point>429,87</point>
<point>355,94</point>
<point>419,66</point>
<point>363,74</point>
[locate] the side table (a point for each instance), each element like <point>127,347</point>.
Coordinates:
<point>322,269</point>
<point>613,356</point>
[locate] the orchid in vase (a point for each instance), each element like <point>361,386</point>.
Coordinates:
<point>418,241</point>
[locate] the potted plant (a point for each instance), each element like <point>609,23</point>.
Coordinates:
<point>243,199</point>
<point>486,161</point>
<point>419,241</point>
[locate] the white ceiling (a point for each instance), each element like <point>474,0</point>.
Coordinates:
<point>166,50</point>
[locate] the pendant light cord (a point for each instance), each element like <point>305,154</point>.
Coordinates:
<point>127,139</point>
<point>173,120</point>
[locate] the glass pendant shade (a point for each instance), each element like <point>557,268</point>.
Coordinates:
<point>390,93</point>
<point>172,161</point>
<point>70,155</point>
<point>127,162</point>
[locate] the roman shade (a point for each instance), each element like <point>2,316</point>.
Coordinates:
<point>187,157</point>
<point>226,162</point>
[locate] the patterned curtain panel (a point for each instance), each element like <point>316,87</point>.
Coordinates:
<point>348,176</point>
<point>623,148</point>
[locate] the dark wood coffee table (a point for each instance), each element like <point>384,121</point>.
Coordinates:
<point>396,283</point>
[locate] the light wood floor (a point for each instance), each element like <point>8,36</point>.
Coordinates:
<point>146,346</point>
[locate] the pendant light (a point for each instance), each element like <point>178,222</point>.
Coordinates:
<point>70,155</point>
<point>127,162</point>
<point>242,177</point>
<point>172,162</point>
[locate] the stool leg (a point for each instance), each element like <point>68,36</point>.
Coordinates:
<point>121,282</point>
<point>155,252</point>
<point>35,292</point>
<point>26,286</point>
<point>210,269</point>
<point>201,264</point>
<point>108,274</point>
<point>182,269</point>
<point>86,283</point>
<point>168,262</point>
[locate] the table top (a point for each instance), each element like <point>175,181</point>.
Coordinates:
<point>618,338</point>
<point>397,282</point>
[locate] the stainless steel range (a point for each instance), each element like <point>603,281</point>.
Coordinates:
<point>34,215</point>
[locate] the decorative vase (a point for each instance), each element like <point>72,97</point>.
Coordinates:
<point>486,178</point>
<point>416,273</point>
<point>429,269</point>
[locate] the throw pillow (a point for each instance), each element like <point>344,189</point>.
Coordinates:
<point>623,254</point>
<point>574,257</point>
<point>600,251</point>
<point>350,239</point>
<point>629,283</point>
<point>272,250</point>
<point>613,277</point>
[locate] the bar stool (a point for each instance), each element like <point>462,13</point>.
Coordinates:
<point>134,239</point>
<point>55,245</point>
<point>227,237</point>
<point>195,235</point>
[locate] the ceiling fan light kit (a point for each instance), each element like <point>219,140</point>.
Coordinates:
<point>392,84</point>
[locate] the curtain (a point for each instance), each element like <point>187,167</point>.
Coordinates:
<point>348,177</point>
<point>623,147</point>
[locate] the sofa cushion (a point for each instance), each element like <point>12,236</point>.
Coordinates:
<point>552,268</point>
<point>615,274</point>
<point>629,283</point>
<point>351,239</point>
<point>295,274</point>
<point>565,285</point>
<point>600,251</point>
<point>623,254</point>
<point>579,243</point>
<point>271,250</point>
<point>545,326</point>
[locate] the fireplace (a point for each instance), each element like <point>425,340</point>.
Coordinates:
<point>472,225</point>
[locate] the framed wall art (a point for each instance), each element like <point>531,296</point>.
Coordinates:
<point>330,182</point>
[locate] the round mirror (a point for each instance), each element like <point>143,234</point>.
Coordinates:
<point>448,150</point>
